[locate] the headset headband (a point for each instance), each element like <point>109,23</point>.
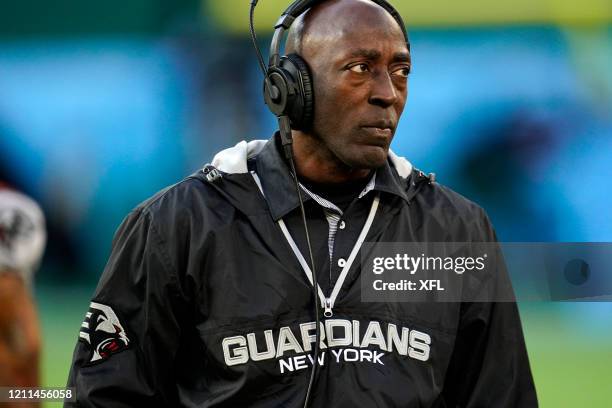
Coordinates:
<point>298,7</point>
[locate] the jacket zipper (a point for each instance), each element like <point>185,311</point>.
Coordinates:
<point>328,308</point>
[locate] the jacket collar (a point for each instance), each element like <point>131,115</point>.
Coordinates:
<point>279,188</point>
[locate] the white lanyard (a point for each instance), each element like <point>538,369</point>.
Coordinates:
<point>328,302</point>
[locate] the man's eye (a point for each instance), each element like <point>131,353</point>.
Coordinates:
<point>403,72</point>
<point>359,68</point>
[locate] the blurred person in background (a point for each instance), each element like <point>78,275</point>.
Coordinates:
<point>22,243</point>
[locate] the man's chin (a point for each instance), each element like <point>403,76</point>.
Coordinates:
<point>368,157</point>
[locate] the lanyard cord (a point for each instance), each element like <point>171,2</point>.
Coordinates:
<point>315,284</point>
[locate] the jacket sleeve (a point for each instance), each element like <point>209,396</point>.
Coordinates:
<point>489,366</point>
<point>125,352</point>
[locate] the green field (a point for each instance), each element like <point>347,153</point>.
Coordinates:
<point>571,360</point>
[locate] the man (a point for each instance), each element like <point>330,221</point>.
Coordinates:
<point>206,299</point>
<point>22,243</point>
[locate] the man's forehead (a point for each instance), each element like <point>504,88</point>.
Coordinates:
<point>371,44</point>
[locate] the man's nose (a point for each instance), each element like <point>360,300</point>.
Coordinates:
<point>383,92</point>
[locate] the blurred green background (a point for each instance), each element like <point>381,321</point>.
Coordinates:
<point>102,104</point>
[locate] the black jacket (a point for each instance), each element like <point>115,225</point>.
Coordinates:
<point>203,303</point>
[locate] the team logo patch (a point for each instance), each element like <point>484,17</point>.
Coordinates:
<point>103,332</point>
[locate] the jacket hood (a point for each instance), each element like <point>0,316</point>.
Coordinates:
<point>234,159</point>
<point>229,174</point>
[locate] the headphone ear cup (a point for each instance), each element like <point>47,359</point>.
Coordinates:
<point>302,111</point>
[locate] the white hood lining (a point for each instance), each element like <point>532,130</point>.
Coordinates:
<point>234,159</point>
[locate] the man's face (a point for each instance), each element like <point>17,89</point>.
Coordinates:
<point>360,69</point>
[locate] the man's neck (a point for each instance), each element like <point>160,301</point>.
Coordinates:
<point>314,162</point>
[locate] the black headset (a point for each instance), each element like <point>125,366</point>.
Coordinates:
<point>289,95</point>
<point>288,88</point>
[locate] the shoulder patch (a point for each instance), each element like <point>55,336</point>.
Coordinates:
<point>103,332</point>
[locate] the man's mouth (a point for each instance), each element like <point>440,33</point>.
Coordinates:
<point>381,129</point>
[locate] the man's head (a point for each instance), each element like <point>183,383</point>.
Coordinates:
<point>359,61</point>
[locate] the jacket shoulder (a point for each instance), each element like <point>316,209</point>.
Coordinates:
<point>462,218</point>
<point>188,202</point>
<point>456,202</point>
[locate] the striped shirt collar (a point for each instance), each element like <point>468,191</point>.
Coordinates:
<point>325,203</point>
